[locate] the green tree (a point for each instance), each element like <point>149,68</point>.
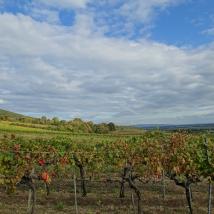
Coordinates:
<point>111,126</point>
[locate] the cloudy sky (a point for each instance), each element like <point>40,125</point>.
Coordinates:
<point>126,61</point>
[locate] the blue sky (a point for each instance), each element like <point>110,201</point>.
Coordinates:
<point>185,24</point>
<point>181,23</point>
<point>126,61</point>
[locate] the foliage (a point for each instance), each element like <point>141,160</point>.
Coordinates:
<point>183,157</point>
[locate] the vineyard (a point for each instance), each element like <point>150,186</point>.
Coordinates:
<point>143,174</point>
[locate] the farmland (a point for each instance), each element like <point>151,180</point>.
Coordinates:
<point>46,170</point>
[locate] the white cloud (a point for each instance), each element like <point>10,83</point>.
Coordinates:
<point>64,3</point>
<point>209,31</point>
<point>78,71</point>
<point>129,17</point>
<point>2,101</point>
<point>144,10</point>
<point>46,15</point>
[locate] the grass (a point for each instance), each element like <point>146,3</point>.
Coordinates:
<point>11,114</point>
<point>103,198</point>
<point>6,126</point>
<point>60,205</point>
<point>41,131</point>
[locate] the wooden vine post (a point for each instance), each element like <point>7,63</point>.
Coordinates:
<point>75,193</point>
<point>210,197</point>
<point>133,203</point>
<point>209,211</point>
<point>163,186</point>
<point>32,193</point>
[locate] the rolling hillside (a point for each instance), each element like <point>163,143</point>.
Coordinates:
<point>11,114</point>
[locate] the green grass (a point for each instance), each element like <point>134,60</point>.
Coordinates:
<point>11,127</point>
<point>7,128</point>
<point>39,130</point>
<point>11,114</point>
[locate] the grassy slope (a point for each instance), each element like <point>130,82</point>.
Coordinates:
<point>11,114</point>
<point>13,127</point>
<point>19,127</point>
<point>9,127</point>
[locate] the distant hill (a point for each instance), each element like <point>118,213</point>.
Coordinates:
<point>208,126</point>
<point>11,114</point>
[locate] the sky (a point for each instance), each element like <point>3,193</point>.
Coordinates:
<point>125,61</point>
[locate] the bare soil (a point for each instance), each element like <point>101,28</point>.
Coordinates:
<point>103,198</point>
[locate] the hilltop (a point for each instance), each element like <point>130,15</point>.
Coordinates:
<point>5,113</point>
